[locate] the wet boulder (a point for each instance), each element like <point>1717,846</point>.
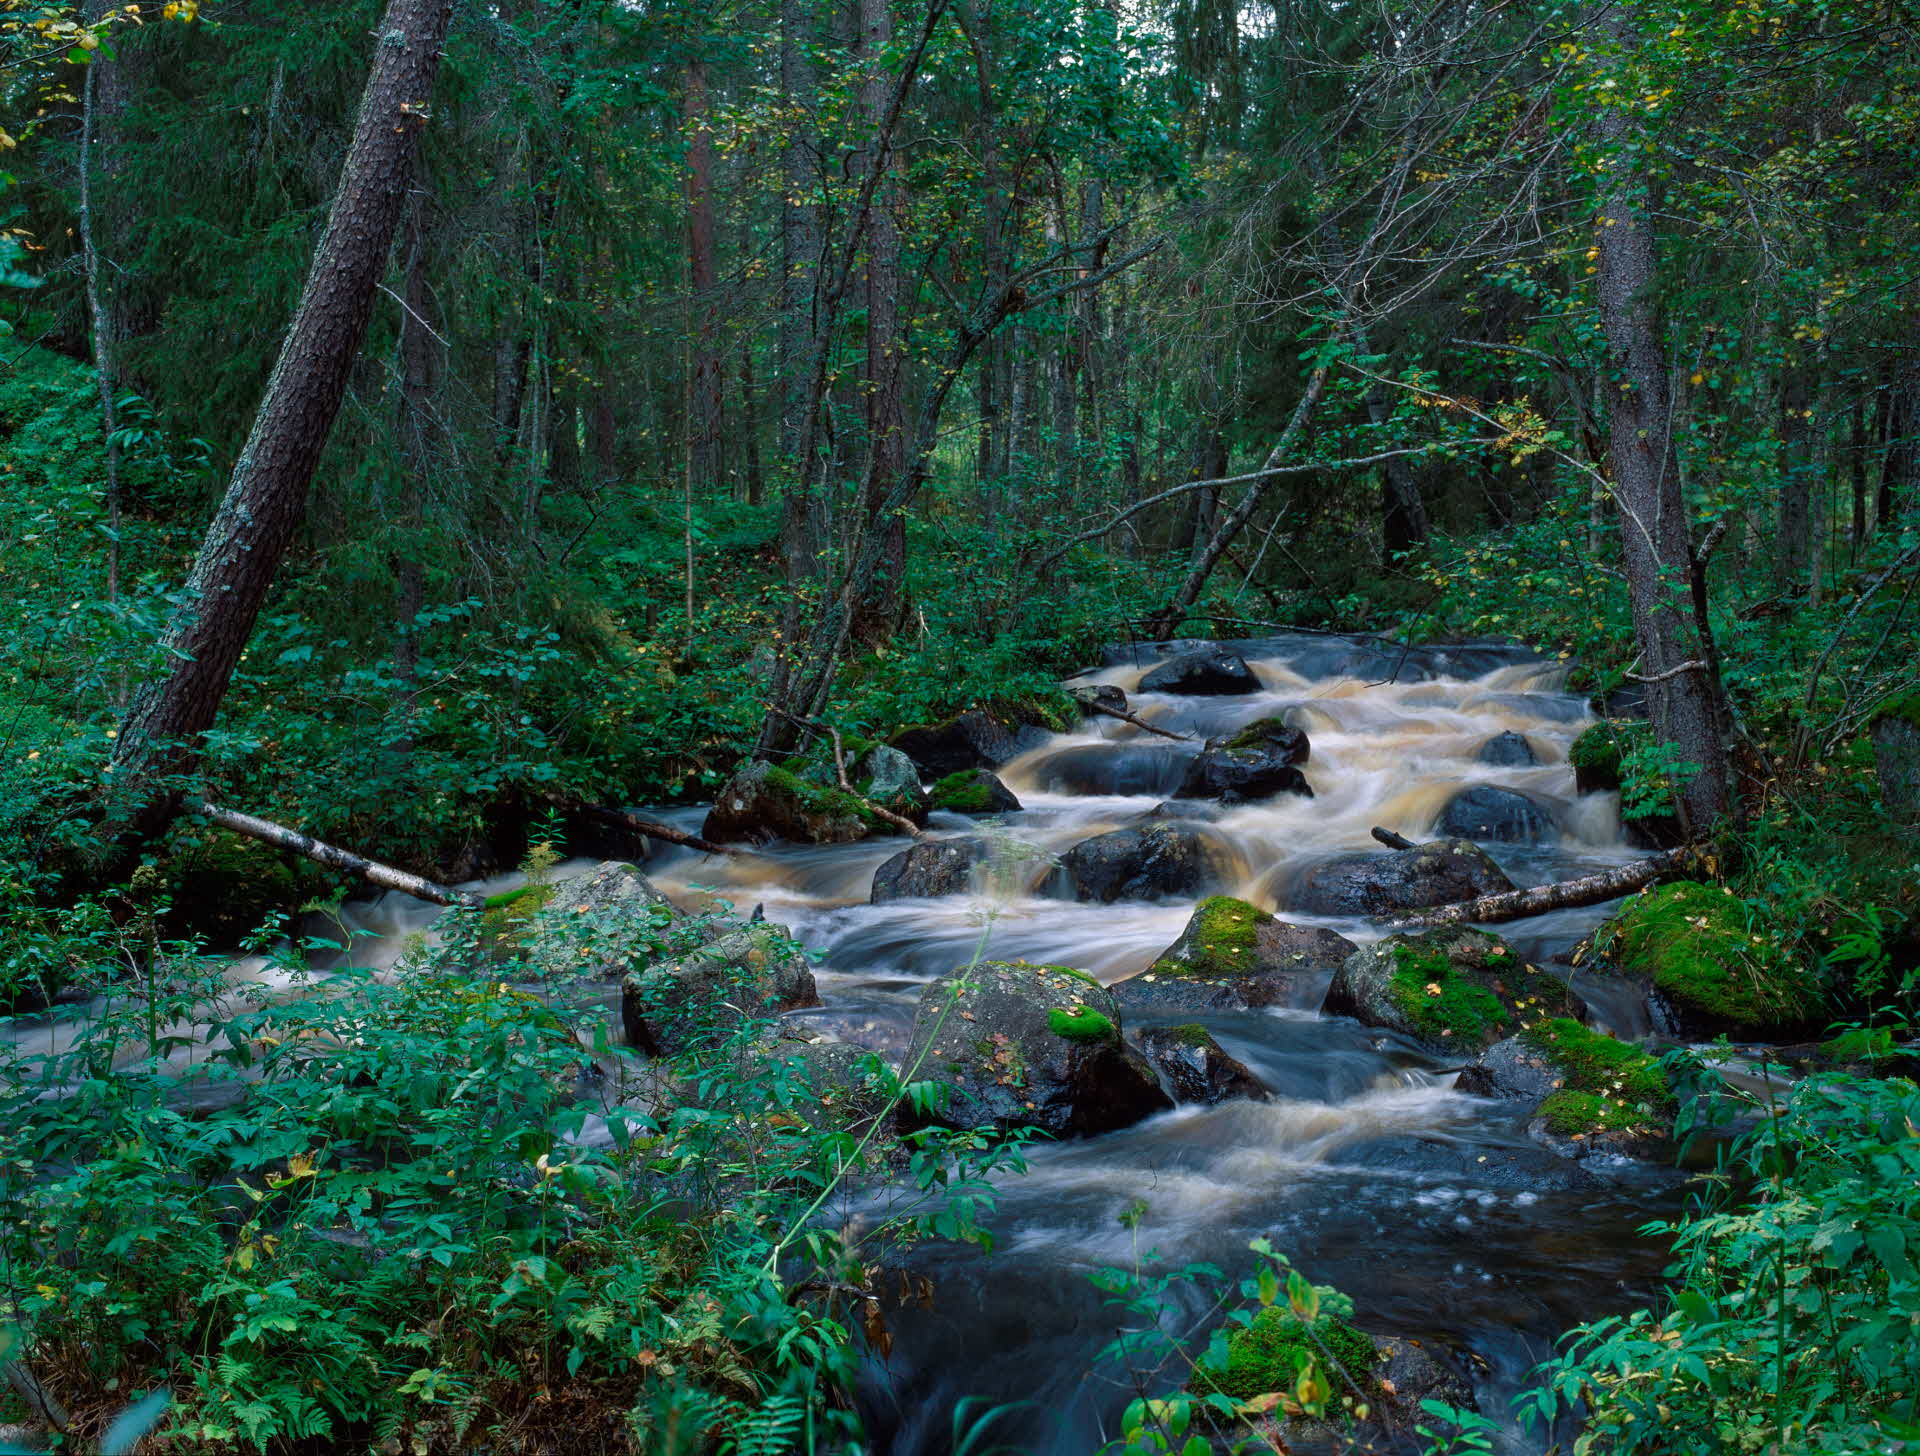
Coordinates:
<point>1235,956</point>
<point>1488,814</point>
<point>1196,1068</point>
<point>763,802</point>
<point>1591,1093</point>
<point>1713,965</point>
<point>972,791</point>
<point>1179,811</point>
<point>1384,882</point>
<point>1507,750</point>
<point>928,870</point>
<point>848,1082</point>
<point>1514,1070</point>
<point>700,996</point>
<point>1455,991</point>
<point>593,925</point>
<point>1024,1046</point>
<point>1146,862</point>
<point>1206,672</point>
<point>1256,762</point>
<point>1099,695</point>
<point>887,777</point>
<point>984,737</point>
<point>1130,767</point>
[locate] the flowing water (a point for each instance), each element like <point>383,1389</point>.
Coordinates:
<point>1431,1208</point>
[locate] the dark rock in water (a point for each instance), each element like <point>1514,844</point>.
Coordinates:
<point>1256,762</point>
<point>973,791</point>
<point>891,779</point>
<point>762,802</point>
<point>1196,1068</point>
<point>1099,695</point>
<point>973,739</point>
<point>1507,750</point>
<point>1452,990</point>
<point>937,867</point>
<point>691,1000</point>
<point>1205,672</point>
<point>1512,1069</point>
<point>1442,872</point>
<point>1180,811</point>
<point>1233,955</point>
<point>1031,1046</point>
<point>1126,768</point>
<point>1491,815</point>
<point>1522,1168</point>
<point>1148,863</point>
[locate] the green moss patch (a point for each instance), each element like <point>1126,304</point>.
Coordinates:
<point>1084,1024</point>
<point>1269,1354</point>
<point>1595,755</point>
<point>819,799</point>
<point>1259,734</point>
<point>1438,1001</point>
<point>1609,1085</point>
<point>504,917</point>
<point>1219,942</point>
<point>961,793</point>
<point>1191,1034</point>
<point>1701,948</point>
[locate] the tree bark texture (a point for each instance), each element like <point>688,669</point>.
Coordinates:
<point>704,424</point>
<point>266,496</point>
<point>799,284</point>
<point>1646,487</point>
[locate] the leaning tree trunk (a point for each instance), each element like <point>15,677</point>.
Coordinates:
<point>266,496</point>
<point>1681,692</point>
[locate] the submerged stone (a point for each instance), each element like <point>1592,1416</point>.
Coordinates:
<point>935,868</point>
<point>1150,862</point>
<point>1196,1068</point>
<point>1382,882</point>
<point>1507,750</point>
<point>1486,813</point>
<point>1204,672</point>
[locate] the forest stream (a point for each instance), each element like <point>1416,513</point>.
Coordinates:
<point>1431,1208</point>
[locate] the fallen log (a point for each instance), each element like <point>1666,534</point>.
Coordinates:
<point>1392,840</point>
<point>1565,895</point>
<point>334,857</point>
<point>625,819</point>
<point>1125,717</point>
<point>38,1398</point>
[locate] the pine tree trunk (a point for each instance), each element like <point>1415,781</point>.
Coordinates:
<point>1681,694</point>
<point>266,496</point>
<point>704,424</point>
<point>799,283</point>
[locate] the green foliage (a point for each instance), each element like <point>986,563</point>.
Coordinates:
<point>1710,951</point>
<point>1790,1322</point>
<point>1272,1352</point>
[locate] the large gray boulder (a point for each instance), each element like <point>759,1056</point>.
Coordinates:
<point>1235,956</point>
<point>763,802</point>
<point>1147,862</point>
<point>1196,1068</point>
<point>1256,762</point>
<point>1383,882</point>
<point>701,996</point>
<point>1488,814</point>
<point>928,870</point>
<point>1455,991</point>
<point>594,926</point>
<point>1024,1046</point>
<point>1205,672</point>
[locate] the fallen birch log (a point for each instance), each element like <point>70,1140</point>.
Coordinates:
<point>334,857</point>
<point>1564,895</point>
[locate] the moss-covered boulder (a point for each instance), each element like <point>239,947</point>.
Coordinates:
<point>595,926</point>
<point>1235,956</point>
<point>1595,757</point>
<point>1146,862</point>
<point>1196,1068</point>
<point>1383,882</point>
<point>1025,1046</point>
<point>764,802</point>
<point>988,735</point>
<point>1489,814</point>
<point>1455,990</point>
<point>1612,1096</point>
<point>930,869</point>
<point>1205,672</point>
<point>1096,696</point>
<point>675,1002</point>
<point>1895,734</point>
<point>1270,1354</point>
<point>1713,965</point>
<point>972,791</point>
<point>1256,762</point>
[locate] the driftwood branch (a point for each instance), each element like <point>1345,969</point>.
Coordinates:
<point>332,856</point>
<point>624,819</point>
<point>1392,840</point>
<point>1566,895</point>
<point>1125,717</point>
<point>1681,670</point>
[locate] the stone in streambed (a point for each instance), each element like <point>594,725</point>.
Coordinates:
<point>1507,750</point>
<point>764,802</point>
<point>1207,672</point>
<point>1384,882</point>
<point>1196,1068</point>
<point>1128,767</point>
<point>973,791</point>
<point>1488,814</point>
<point>1455,991</point>
<point>986,737</point>
<point>592,926</point>
<point>1099,695</point>
<point>700,997</point>
<point>1590,1092</point>
<point>1256,762</point>
<point>1235,956</point>
<point>1025,1046</point>
<point>1149,862</point>
<point>937,867</point>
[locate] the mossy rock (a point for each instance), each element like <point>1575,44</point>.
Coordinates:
<point>1197,1069</point>
<point>764,801</point>
<point>1895,735</point>
<point>972,791</point>
<point>1714,968</point>
<point>507,918</point>
<point>1595,756</point>
<point>1455,991</point>
<point>1235,956</point>
<point>1269,1354</point>
<point>1607,1086</point>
